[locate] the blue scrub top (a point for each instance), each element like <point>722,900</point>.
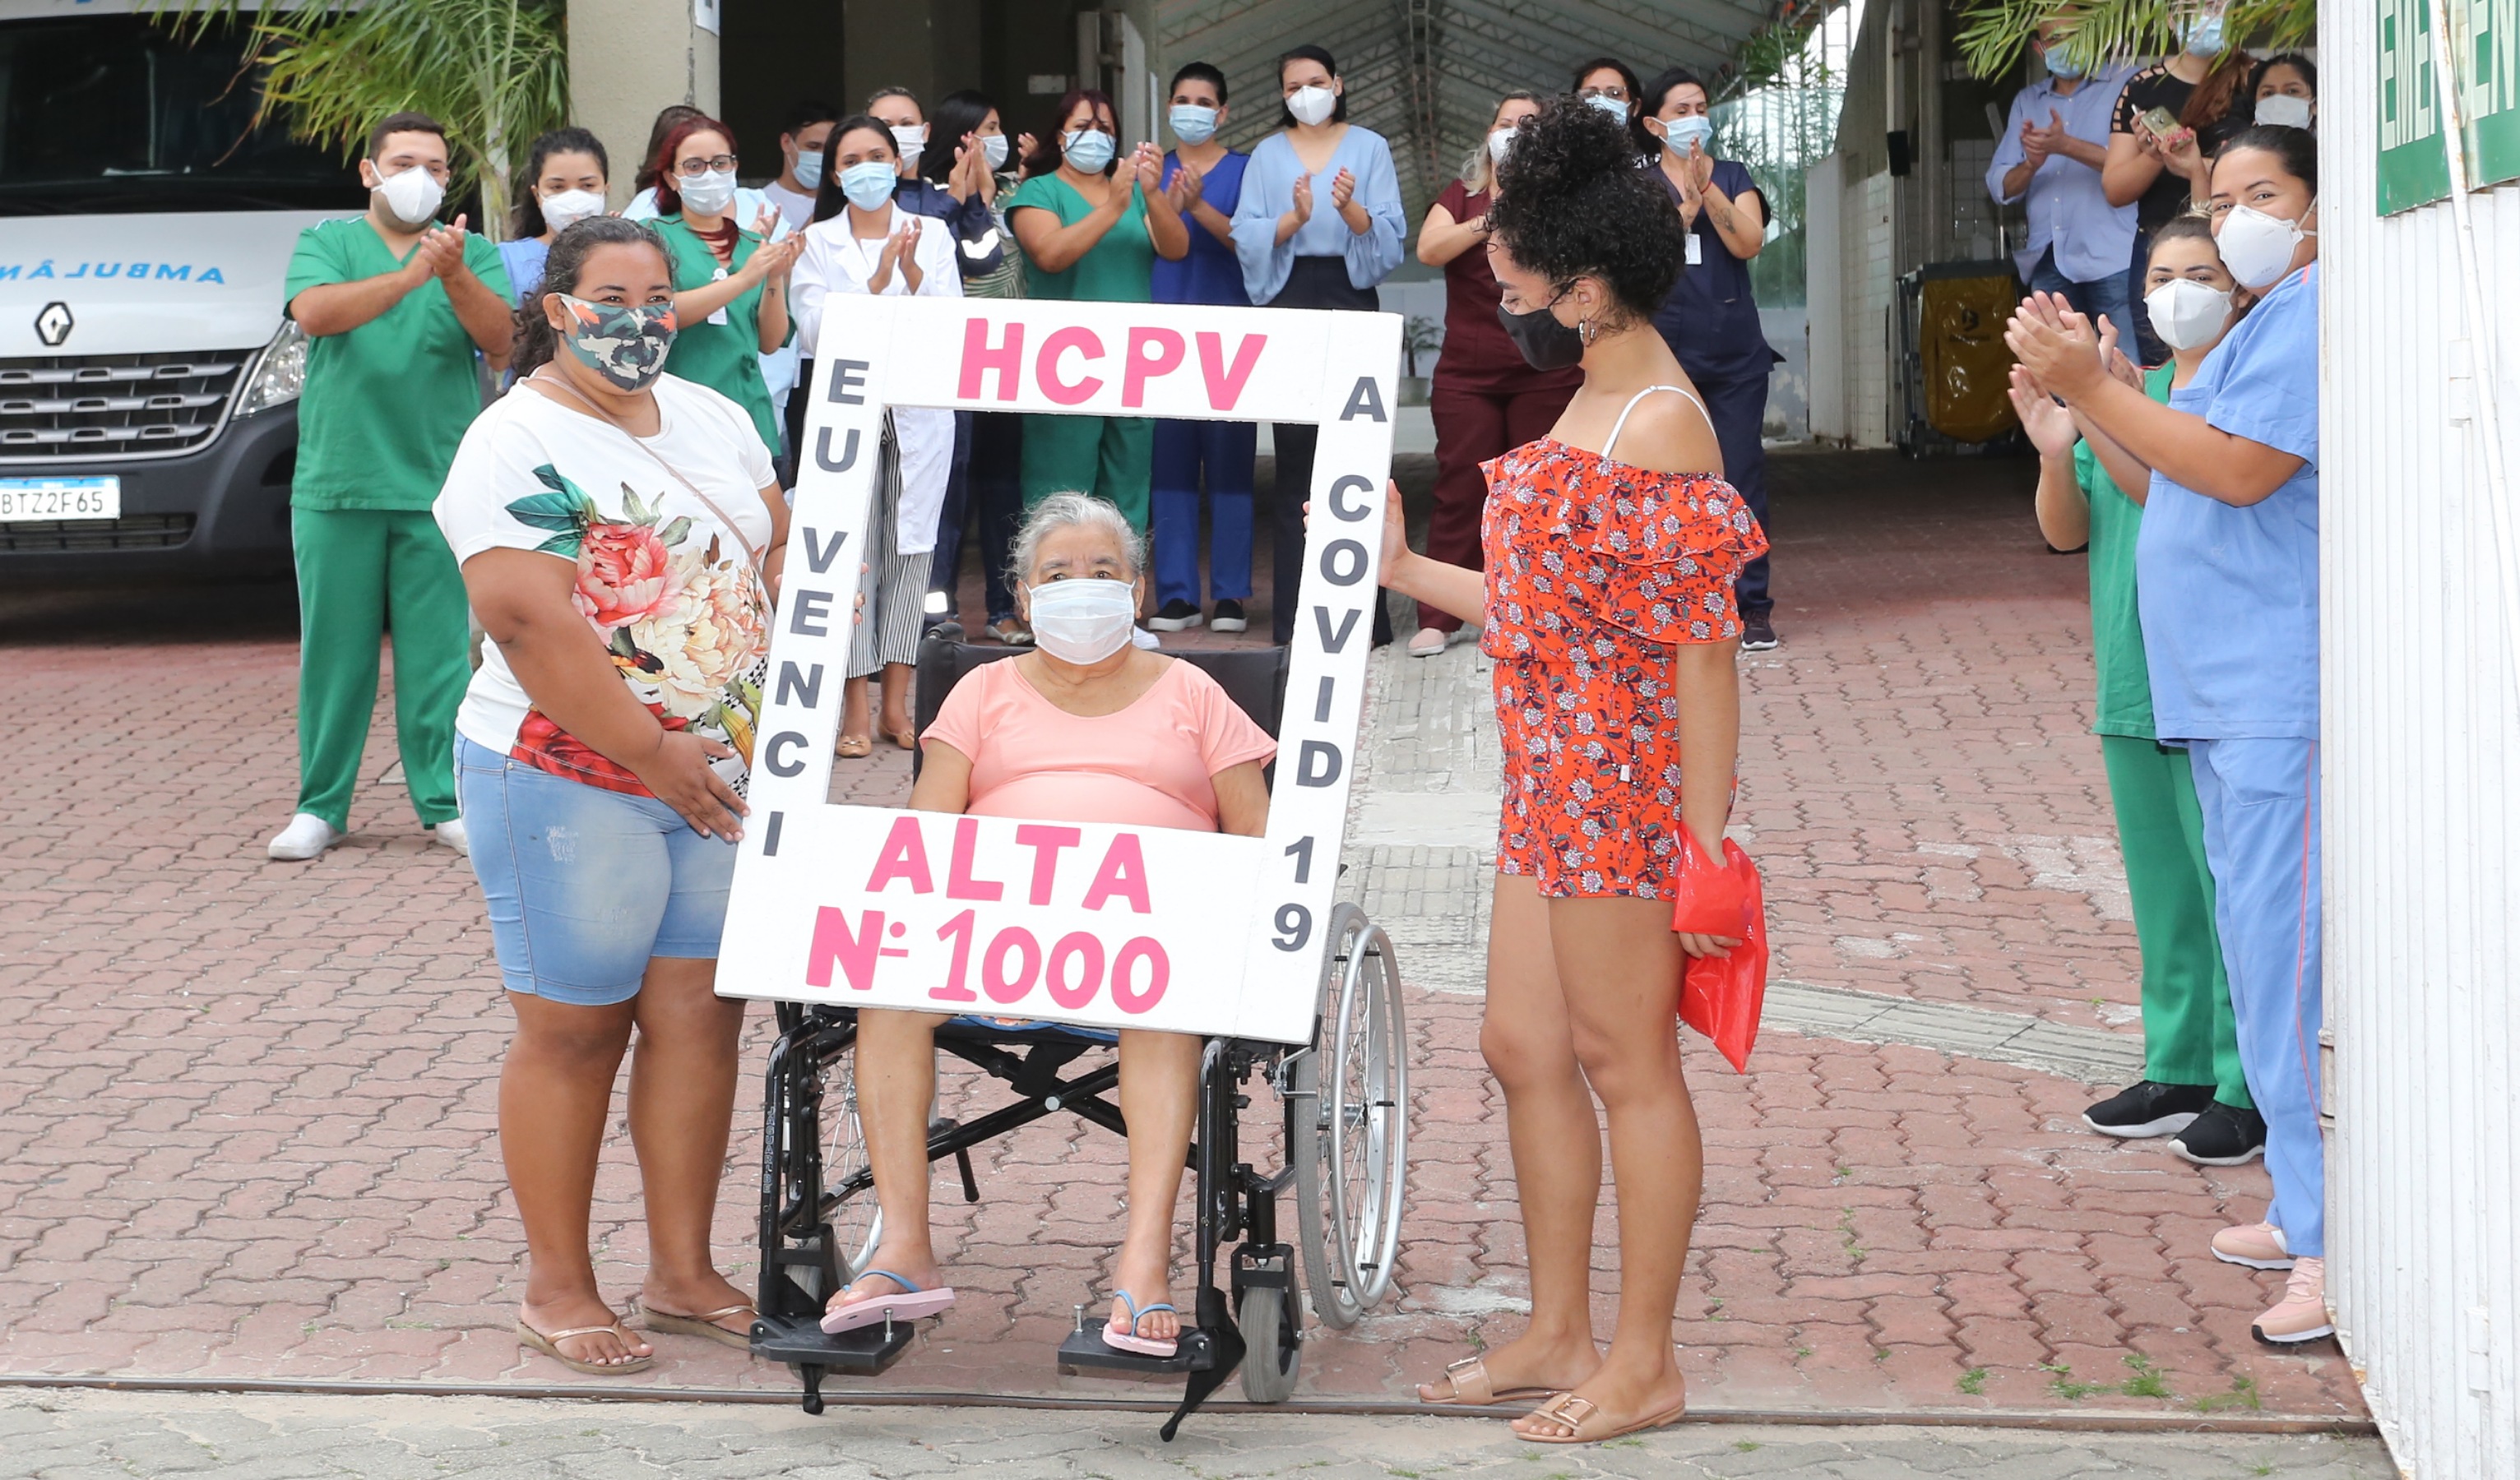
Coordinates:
<point>525,262</point>
<point>1710,321</point>
<point>1269,192</point>
<point>2229,597</point>
<point>1211,273</point>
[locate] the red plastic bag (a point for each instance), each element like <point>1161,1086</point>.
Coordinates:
<point>1721,995</point>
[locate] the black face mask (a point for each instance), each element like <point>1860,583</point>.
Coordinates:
<point>1545,343</point>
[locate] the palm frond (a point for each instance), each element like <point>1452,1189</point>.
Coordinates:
<point>1993,34</point>
<point>495,73</point>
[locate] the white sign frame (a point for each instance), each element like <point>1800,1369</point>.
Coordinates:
<point>1195,932</point>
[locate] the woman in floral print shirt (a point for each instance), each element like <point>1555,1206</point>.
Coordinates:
<point>1611,547</point>
<point>619,531</point>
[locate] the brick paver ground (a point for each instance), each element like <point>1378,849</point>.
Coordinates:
<point>245,1108</point>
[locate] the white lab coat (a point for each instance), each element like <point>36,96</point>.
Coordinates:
<point>834,261</point>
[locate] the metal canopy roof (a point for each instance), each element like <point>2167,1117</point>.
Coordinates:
<point>1426,73</point>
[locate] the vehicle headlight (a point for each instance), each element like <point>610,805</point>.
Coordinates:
<point>280,375</point>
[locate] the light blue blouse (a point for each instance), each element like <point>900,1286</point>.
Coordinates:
<point>1269,192</point>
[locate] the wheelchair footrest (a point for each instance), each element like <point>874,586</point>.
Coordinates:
<point>800,1341</point>
<point>1086,1349</point>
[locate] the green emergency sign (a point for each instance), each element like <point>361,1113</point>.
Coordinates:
<point>2413,170</point>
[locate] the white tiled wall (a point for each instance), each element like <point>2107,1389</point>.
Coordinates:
<point>1866,297</point>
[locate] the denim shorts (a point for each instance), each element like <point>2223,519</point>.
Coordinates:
<point>586,884</point>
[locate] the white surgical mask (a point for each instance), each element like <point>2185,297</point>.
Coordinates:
<point>2188,314</point>
<point>1498,140</point>
<point>911,139</point>
<point>411,196</point>
<point>995,147</point>
<point>710,194</point>
<point>1615,107</point>
<point>2204,35</point>
<point>1193,124</point>
<point>2283,111</point>
<point>809,169</point>
<point>1678,133</point>
<point>1083,621</point>
<point>1312,105</point>
<point>566,209</point>
<point>2258,248</point>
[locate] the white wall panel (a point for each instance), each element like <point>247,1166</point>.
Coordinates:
<point>2421,717</point>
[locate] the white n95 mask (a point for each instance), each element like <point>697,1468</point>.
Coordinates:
<point>2186,313</point>
<point>1083,621</point>
<point>1312,105</point>
<point>411,196</point>
<point>2258,248</point>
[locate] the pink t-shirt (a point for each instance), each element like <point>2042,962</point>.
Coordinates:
<point>1150,765</point>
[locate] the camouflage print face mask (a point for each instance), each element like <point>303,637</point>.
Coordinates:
<point>623,343</point>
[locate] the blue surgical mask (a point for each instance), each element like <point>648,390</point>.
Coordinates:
<point>1678,133</point>
<point>1088,149</point>
<point>868,184</point>
<point>1611,106</point>
<point>2059,65</point>
<point>2204,35</point>
<point>995,147</point>
<point>809,168</point>
<point>1192,124</point>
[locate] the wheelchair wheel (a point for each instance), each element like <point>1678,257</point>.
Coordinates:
<point>1271,1354</point>
<point>1349,1121</point>
<point>856,1218</point>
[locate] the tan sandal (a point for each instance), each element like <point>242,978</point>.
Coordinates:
<point>705,1325</point>
<point>854,748</point>
<point>1575,1413</point>
<point>549,1346</point>
<point>1472,1387</point>
<point>906,738</point>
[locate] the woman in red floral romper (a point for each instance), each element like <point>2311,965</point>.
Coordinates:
<point>1611,547</point>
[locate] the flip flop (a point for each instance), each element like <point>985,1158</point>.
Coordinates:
<point>549,1346</point>
<point>1472,1387</point>
<point>704,1327</point>
<point>912,1304</point>
<point>854,748</point>
<point>1575,1413</point>
<point>1143,1346</point>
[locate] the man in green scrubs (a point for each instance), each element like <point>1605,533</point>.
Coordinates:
<point>399,309</point>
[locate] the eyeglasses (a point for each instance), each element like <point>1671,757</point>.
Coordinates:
<point>1614,92</point>
<point>693,169</point>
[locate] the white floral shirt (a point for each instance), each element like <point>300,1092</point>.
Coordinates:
<point>663,582</point>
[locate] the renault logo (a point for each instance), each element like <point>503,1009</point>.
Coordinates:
<point>54,324</point>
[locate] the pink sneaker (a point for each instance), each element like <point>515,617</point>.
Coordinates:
<point>2256,1245</point>
<point>2302,1313</point>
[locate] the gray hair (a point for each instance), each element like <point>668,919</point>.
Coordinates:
<point>1073,511</point>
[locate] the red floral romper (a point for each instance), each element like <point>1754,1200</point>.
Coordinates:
<point>1595,570</point>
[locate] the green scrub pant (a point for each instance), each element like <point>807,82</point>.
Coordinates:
<point>354,567</point>
<point>1112,457</point>
<point>2188,1033</point>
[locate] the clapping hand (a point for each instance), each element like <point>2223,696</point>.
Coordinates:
<point>2049,425</point>
<point>2057,347</point>
<point>1186,188</point>
<point>1025,144</point>
<point>1147,162</point>
<point>901,244</point>
<point>2121,368</point>
<point>441,249</point>
<point>1302,209</point>
<point>2038,143</point>
<point>1342,188</point>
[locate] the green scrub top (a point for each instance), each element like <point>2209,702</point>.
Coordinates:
<point>2117,632</point>
<point>1120,269</point>
<point>725,357</point>
<point>386,403</point>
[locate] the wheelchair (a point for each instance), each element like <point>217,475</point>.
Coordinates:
<point>1344,1097</point>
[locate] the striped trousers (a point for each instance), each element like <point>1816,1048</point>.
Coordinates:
<point>895,585</point>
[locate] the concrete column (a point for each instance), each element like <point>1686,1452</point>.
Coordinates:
<point>626,60</point>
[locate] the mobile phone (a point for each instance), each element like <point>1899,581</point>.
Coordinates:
<point>2161,122</point>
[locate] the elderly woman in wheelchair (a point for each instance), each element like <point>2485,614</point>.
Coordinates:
<point>1087,727</point>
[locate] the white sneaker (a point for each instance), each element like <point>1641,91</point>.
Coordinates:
<point>451,833</point>
<point>307,837</point>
